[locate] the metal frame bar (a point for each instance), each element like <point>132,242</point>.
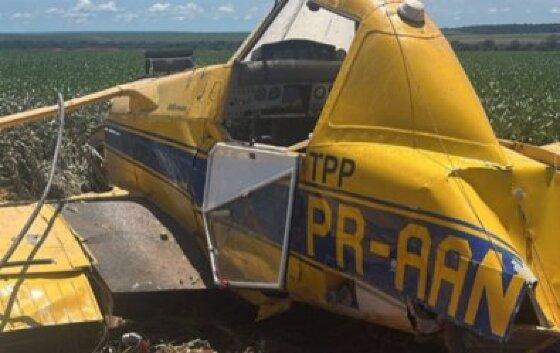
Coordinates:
<point>35,262</point>
<point>334,10</point>
<point>254,37</point>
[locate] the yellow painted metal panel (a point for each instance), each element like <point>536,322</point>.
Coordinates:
<point>538,199</point>
<point>49,294</point>
<point>385,106</point>
<point>403,110</point>
<point>59,244</point>
<point>399,177</point>
<point>403,87</point>
<point>549,154</point>
<point>48,300</point>
<point>188,102</point>
<point>455,121</point>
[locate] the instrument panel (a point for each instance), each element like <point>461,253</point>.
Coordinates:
<point>279,100</point>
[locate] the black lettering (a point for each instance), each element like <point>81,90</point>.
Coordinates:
<point>347,169</point>
<point>316,157</point>
<point>330,167</point>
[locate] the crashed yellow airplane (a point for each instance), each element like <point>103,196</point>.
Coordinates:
<point>340,158</point>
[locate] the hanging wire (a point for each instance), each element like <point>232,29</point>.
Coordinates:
<point>19,238</point>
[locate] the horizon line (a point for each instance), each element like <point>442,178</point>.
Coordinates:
<point>236,32</point>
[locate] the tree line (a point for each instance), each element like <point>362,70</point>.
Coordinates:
<point>506,29</point>
<point>217,45</point>
<point>550,43</point>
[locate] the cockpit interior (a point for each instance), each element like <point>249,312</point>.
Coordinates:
<point>284,72</point>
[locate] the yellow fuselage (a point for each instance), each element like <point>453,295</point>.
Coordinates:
<point>405,193</point>
<point>406,201</point>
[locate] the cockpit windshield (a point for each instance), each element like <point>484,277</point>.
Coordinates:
<point>296,21</point>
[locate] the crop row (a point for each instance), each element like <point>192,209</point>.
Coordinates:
<point>519,90</point>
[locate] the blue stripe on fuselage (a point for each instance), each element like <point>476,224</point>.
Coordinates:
<point>184,168</point>
<point>385,228</point>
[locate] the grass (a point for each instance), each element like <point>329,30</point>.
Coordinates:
<point>520,92</point>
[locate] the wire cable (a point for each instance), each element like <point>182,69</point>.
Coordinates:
<point>17,240</point>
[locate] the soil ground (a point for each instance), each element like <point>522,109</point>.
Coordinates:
<point>228,324</point>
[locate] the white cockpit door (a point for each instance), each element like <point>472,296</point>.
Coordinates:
<point>247,212</point>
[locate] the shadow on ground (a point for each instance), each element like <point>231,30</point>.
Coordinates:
<point>228,323</point>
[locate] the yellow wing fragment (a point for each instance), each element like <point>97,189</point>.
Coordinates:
<point>549,154</point>
<point>143,97</point>
<point>553,147</point>
<point>45,282</point>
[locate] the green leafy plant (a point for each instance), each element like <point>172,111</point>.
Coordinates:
<point>520,91</point>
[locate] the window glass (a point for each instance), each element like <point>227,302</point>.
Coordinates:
<point>249,234</point>
<point>297,21</point>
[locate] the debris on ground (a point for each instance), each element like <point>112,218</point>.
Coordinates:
<point>195,346</point>
<point>132,342</point>
<point>218,322</point>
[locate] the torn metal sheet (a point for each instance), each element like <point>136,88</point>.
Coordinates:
<point>137,247</point>
<point>45,283</point>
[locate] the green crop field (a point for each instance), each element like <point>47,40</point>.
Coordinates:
<point>30,79</point>
<point>498,38</point>
<point>520,92</point>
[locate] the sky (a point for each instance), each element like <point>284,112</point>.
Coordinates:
<point>231,15</point>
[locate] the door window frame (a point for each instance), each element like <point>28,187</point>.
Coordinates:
<point>291,172</point>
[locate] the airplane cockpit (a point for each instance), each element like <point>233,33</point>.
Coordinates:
<point>280,82</point>
<point>284,73</point>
